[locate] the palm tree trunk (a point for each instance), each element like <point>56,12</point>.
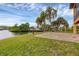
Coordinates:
<point>50,21</point>
<point>65,28</point>
<point>44,22</point>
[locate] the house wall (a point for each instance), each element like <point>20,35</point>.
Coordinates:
<point>77,10</point>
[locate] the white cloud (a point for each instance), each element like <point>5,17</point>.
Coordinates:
<point>61,6</point>
<point>44,8</point>
<point>32,24</point>
<point>16,5</point>
<point>68,12</point>
<point>64,11</point>
<point>32,6</point>
<point>9,20</point>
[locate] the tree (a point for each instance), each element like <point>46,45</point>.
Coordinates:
<point>43,16</point>
<point>14,28</point>
<point>32,28</point>
<point>51,13</point>
<point>24,27</point>
<point>62,21</point>
<point>55,25</point>
<point>44,27</point>
<point>38,21</point>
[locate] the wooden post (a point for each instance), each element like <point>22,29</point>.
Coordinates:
<point>74,28</point>
<point>74,25</point>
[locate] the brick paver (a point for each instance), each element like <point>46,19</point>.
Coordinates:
<point>60,36</point>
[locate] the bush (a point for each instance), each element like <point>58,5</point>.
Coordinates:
<point>22,27</point>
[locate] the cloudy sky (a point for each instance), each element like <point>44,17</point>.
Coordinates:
<point>13,13</point>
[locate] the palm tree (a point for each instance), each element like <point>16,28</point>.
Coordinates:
<point>43,16</point>
<point>38,21</point>
<point>62,21</point>
<point>51,13</point>
<point>55,25</point>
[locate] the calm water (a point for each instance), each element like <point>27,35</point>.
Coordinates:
<point>6,34</point>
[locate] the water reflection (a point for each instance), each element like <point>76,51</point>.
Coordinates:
<point>7,34</point>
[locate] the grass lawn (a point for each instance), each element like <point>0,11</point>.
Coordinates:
<point>28,45</point>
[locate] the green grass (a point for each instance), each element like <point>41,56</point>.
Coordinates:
<point>28,45</point>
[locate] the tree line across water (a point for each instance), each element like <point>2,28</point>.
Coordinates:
<point>20,28</point>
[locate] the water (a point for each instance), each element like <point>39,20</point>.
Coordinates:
<point>6,34</point>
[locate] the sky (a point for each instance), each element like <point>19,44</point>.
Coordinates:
<point>18,13</point>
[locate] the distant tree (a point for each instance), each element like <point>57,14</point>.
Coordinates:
<point>24,27</point>
<point>32,29</point>
<point>14,28</point>
<point>4,27</point>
